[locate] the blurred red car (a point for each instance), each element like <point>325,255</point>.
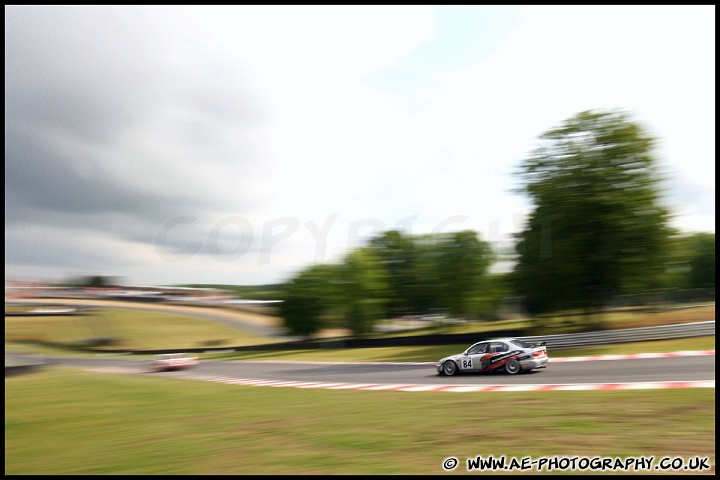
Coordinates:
<point>173,361</point>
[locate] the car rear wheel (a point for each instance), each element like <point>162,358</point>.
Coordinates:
<point>512,366</point>
<point>449,368</point>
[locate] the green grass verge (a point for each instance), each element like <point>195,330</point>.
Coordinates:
<point>135,329</point>
<point>96,423</point>
<point>67,421</point>
<point>147,329</point>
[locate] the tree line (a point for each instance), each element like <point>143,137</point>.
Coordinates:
<point>598,229</point>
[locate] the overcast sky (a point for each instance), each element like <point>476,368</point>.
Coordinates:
<point>240,144</point>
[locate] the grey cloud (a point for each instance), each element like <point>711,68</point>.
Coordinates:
<point>90,71</point>
<point>90,88</point>
<point>92,74</point>
<point>35,245</point>
<point>62,68</point>
<point>37,179</point>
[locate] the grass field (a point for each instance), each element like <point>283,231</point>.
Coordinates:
<point>65,420</point>
<point>148,329</point>
<point>135,329</point>
<point>70,421</point>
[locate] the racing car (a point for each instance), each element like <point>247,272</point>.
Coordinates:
<point>508,355</point>
<point>167,362</point>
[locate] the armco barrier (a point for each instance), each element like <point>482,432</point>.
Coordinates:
<point>640,334</point>
<point>574,340</point>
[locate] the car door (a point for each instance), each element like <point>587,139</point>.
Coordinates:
<point>472,360</point>
<point>497,353</point>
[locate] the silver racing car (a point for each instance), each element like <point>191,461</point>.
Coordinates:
<point>508,355</point>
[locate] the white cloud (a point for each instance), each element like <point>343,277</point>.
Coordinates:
<point>271,114</point>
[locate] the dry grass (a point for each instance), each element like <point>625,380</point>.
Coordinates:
<point>669,317</point>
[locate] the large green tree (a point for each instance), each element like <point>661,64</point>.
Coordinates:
<point>310,299</point>
<point>701,273</point>
<point>435,272</point>
<point>598,227</point>
<point>691,262</point>
<point>351,294</point>
<point>463,261</point>
<point>366,290</point>
<point>399,256</point>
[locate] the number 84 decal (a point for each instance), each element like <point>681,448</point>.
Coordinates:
<point>467,363</point>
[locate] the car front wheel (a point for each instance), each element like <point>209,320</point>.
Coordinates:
<point>449,368</point>
<point>512,366</point>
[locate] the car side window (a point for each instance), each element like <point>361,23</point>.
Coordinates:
<point>498,347</point>
<point>480,348</point>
